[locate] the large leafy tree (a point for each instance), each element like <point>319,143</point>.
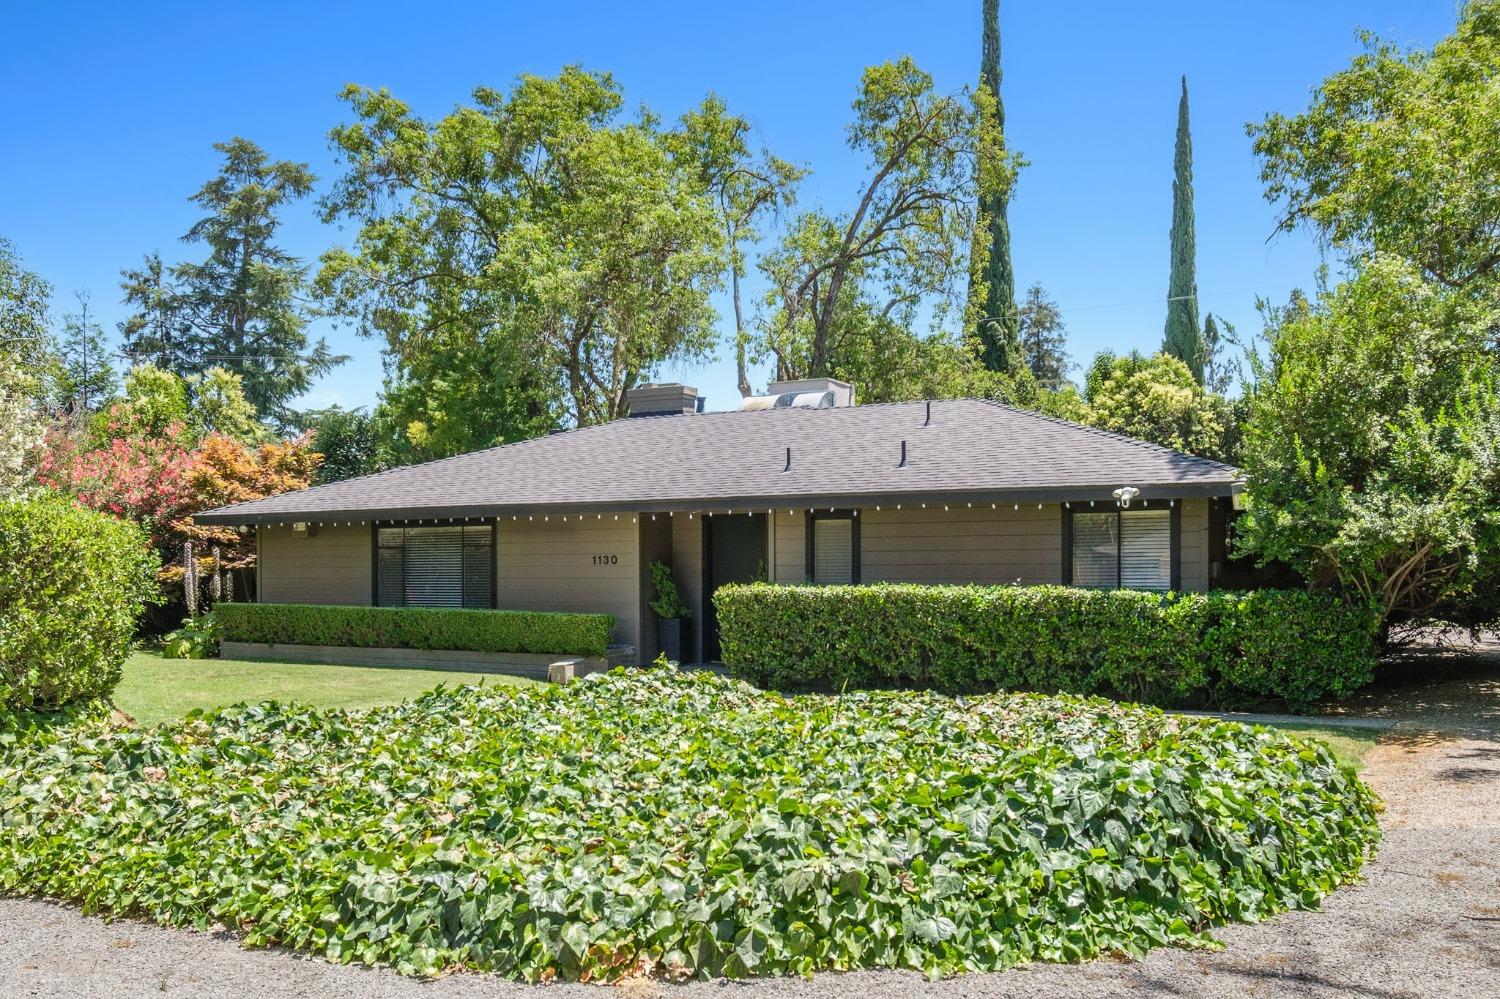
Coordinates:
<point>998,323</point>
<point>1154,399</point>
<point>158,403</point>
<point>1044,339</point>
<point>25,359</point>
<point>746,188</point>
<point>1374,435</point>
<point>21,427</point>
<point>528,258</point>
<point>25,339</point>
<point>350,441</point>
<point>848,288</point>
<point>243,305</point>
<point>1184,338</point>
<point>1397,153</point>
<point>1373,445</point>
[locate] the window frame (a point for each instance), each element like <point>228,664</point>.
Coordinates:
<point>377,525</point>
<point>811,526</point>
<point>1174,543</point>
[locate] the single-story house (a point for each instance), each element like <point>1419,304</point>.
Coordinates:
<point>800,485</point>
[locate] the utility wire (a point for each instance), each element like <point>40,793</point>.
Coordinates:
<point>130,355</point>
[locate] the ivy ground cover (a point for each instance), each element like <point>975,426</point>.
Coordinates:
<point>685,825</point>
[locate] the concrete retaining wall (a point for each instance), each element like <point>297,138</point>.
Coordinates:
<point>532,666</point>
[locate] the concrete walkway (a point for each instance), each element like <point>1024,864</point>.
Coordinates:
<point>1321,721</point>
<point>1426,922</point>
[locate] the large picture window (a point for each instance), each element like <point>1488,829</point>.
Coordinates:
<point>1122,548</point>
<point>435,566</point>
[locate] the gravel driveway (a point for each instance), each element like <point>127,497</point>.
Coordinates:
<point>1426,922</point>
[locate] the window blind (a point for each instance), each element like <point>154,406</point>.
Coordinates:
<point>435,566</point>
<point>1146,549</point>
<point>833,551</point>
<point>1096,549</point>
<point>1126,548</point>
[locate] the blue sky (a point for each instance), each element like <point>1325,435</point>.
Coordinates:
<point>112,110</point>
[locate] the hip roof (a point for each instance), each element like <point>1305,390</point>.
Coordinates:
<point>960,449</point>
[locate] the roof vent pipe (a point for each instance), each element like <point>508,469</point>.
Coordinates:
<point>788,467</point>
<point>928,422</point>
<point>903,455</point>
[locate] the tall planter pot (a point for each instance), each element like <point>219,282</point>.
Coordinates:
<point>669,637</point>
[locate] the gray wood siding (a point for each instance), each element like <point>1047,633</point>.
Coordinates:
<point>548,565</point>
<point>1193,545</point>
<point>687,569</point>
<point>962,545</point>
<point>330,567</point>
<point>789,547</point>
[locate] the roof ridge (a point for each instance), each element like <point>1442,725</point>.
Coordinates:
<point>1101,432</point>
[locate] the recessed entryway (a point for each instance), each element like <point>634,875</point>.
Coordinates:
<point>734,551</point>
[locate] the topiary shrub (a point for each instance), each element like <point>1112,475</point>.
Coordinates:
<point>72,584</point>
<point>416,628</point>
<point>1224,648</point>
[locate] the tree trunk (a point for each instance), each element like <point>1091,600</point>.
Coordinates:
<point>740,336</point>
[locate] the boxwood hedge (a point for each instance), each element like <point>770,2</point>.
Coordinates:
<point>687,825</point>
<point>73,583</point>
<point>1222,648</point>
<point>416,628</point>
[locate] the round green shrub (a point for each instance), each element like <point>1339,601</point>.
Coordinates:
<point>72,584</point>
<point>690,826</point>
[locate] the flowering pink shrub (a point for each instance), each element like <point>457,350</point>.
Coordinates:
<point>160,481</point>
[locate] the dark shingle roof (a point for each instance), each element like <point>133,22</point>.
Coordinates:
<point>971,450</point>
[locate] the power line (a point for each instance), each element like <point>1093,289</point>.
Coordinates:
<point>1066,310</point>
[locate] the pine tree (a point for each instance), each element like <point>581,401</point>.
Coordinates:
<point>157,332</point>
<point>1044,339</point>
<point>999,324</point>
<point>242,306</point>
<point>85,377</point>
<point>1184,338</point>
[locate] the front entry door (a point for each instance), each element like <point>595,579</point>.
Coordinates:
<point>734,551</point>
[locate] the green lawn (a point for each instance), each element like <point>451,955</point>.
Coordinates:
<point>1349,744</point>
<point>155,689</point>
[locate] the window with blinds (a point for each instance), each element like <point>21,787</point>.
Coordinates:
<point>435,566</point>
<point>833,550</point>
<point>1124,548</point>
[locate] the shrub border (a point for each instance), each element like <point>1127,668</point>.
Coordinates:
<point>425,628</point>
<point>1222,648</point>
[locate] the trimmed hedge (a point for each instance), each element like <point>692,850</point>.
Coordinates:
<point>1223,648</point>
<point>72,584</point>
<point>416,628</point>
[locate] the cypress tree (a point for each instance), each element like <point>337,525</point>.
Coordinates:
<point>1184,337</point>
<point>999,324</point>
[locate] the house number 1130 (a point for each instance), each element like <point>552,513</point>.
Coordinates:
<point>606,560</point>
